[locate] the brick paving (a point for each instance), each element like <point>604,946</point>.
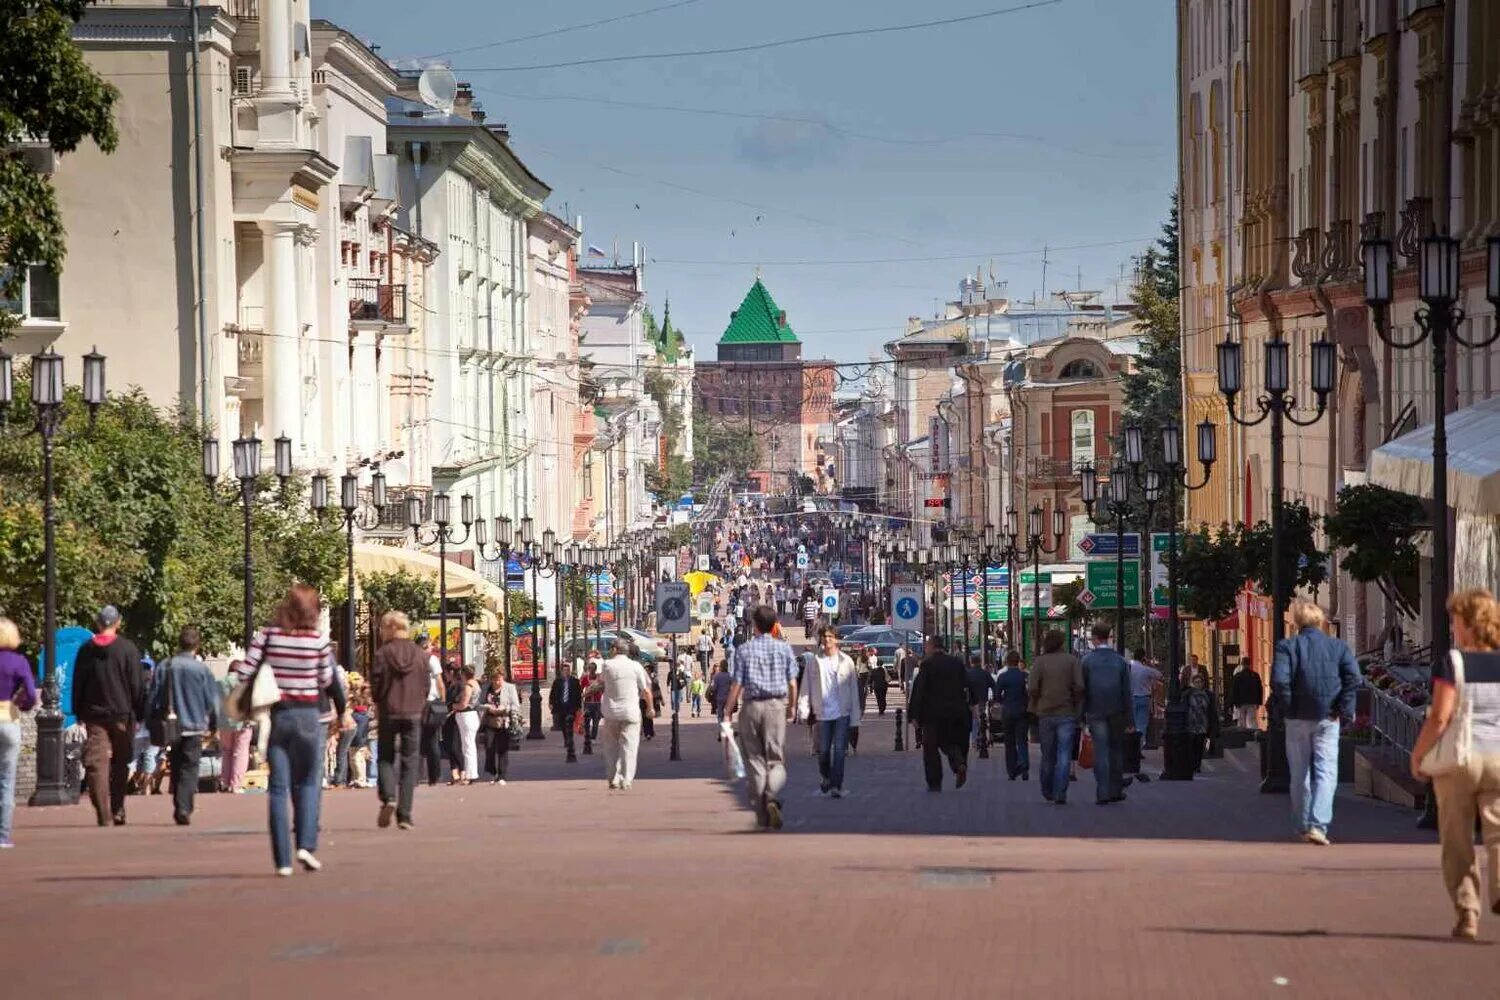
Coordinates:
<point>554,884</point>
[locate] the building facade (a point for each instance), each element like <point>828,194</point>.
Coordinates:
<point>1307,125</point>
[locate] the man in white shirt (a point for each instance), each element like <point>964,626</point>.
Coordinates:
<point>626,688</point>
<point>832,693</point>
<point>705,649</point>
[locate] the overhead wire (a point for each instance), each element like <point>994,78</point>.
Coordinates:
<point>552,32</point>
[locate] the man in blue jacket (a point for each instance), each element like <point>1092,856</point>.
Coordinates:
<point>1108,706</point>
<point>184,687</point>
<point>1313,680</point>
<point>1010,692</point>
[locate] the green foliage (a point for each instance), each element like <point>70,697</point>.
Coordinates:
<point>676,537</point>
<point>1153,392</point>
<point>673,482</point>
<point>137,528</point>
<point>519,607</point>
<point>1298,547</point>
<point>48,94</point>
<point>399,591</point>
<point>721,446</point>
<point>1211,570</point>
<point>1375,528</point>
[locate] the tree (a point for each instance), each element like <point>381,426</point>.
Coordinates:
<point>137,528</point>
<point>721,446</point>
<point>1376,530</point>
<point>1298,546</point>
<point>48,94</point>
<point>1211,570</point>
<point>1153,392</point>
<point>399,591</point>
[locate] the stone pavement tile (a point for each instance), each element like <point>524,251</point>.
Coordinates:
<point>555,884</point>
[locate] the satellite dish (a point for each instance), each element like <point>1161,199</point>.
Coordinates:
<point>437,88</point>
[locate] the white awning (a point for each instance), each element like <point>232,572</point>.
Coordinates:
<point>462,581</point>
<point>1405,464</point>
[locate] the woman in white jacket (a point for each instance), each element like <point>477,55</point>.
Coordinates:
<point>831,692</point>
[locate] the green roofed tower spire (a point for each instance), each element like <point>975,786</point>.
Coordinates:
<point>758,320</point>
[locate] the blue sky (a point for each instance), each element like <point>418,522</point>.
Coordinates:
<point>869,151</point>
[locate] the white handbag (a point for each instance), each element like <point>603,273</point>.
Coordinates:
<point>1452,750</point>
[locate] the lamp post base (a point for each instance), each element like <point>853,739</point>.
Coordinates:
<point>1177,753</point>
<point>1275,772</point>
<point>536,717</point>
<point>52,786</point>
<point>676,751</point>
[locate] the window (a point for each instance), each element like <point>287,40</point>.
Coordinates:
<point>38,296</point>
<point>1080,369</point>
<point>1083,437</point>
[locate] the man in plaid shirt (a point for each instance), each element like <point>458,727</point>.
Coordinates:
<point>765,675</point>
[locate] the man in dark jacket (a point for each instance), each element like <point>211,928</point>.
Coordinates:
<point>184,687</point>
<point>1010,692</point>
<point>980,686</point>
<point>1246,694</point>
<point>400,682</point>
<point>1313,680</point>
<point>108,698</point>
<point>565,700</point>
<point>940,709</point>
<point>1107,704</point>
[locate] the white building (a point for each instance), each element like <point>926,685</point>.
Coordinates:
<point>463,188</point>
<point>267,296</point>
<point>553,251</point>
<point>616,344</point>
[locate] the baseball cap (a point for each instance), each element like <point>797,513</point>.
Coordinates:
<point>107,616</point>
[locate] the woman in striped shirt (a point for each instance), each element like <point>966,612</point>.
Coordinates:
<point>302,659</point>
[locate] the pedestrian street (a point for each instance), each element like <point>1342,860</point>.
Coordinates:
<point>552,882</point>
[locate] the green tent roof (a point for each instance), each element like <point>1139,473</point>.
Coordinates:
<point>758,321</point>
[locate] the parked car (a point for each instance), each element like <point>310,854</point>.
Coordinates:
<point>579,646</point>
<point>844,631</point>
<point>649,644</point>
<point>885,640</point>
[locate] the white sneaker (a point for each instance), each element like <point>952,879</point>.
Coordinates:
<point>284,872</point>
<point>614,784</point>
<point>500,782</point>
<point>308,861</point>
<point>1316,836</point>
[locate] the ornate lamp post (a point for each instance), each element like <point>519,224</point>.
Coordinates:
<point>504,553</point>
<point>1278,405</point>
<point>542,558</point>
<point>443,533</point>
<point>246,454</point>
<point>1437,285</point>
<point>1036,546</point>
<point>355,516</point>
<point>1117,512</point>
<point>1173,471</point>
<point>47,397</point>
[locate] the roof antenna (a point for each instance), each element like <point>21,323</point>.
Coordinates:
<point>437,88</point>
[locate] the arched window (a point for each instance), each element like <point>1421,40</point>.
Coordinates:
<point>1079,369</point>
<point>1083,436</point>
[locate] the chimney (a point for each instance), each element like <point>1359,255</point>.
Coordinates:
<point>463,100</point>
<point>781,318</point>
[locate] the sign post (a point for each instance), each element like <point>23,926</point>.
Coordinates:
<point>830,602</point>
<point>906,606</point>
<point>1101,588</point>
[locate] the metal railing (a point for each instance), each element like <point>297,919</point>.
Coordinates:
<point>244,8</point>
<point>1395,722</point>
<point>372,299</point>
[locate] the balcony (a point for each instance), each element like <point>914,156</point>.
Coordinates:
<point>244,8</point>
<point>1048,469</point>
<point>373,301</point>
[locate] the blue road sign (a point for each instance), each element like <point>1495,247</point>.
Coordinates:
<point>1100,545</point>
<point>908,607</point>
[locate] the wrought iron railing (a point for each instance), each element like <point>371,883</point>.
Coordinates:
<point>372,299</point>
<point>1395,722</point>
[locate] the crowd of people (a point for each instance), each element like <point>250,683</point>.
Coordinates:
<point>289,703</point>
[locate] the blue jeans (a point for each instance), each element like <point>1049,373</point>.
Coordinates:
<point>1142,705</point>
<point>833,743</point>
<point>1108,733</point>
<point>1312,754</point>
<point>10,752</point>
<point>295,753</point>
<point>1057,755</point>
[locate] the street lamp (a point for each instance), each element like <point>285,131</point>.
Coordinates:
<point>1036,545</point>
<point>245,463</point>
<point>1117,515</point>
<point>355,515</point>
<point>1438,265</point>
<point>504,553</point>
<point>1173,472</point>
<point>1278,405</point>
<point>47,397</point>
<point>443,533</point>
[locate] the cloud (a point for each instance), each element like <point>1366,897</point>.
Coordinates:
<point>789,144</point>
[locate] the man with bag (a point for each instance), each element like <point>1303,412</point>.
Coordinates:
<point>184,704</point>
<point>1313,681</point>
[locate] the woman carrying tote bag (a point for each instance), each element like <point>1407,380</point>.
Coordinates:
<point>1459,750</point>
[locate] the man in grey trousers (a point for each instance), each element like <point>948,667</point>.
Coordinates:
<point>764,689</point>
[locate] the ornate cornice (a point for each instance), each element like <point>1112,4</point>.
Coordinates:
<point>138,27</point>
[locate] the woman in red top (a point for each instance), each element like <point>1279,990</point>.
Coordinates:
<point>302,659</point>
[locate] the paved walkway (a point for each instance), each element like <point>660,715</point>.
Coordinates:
<point>554,885</point>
